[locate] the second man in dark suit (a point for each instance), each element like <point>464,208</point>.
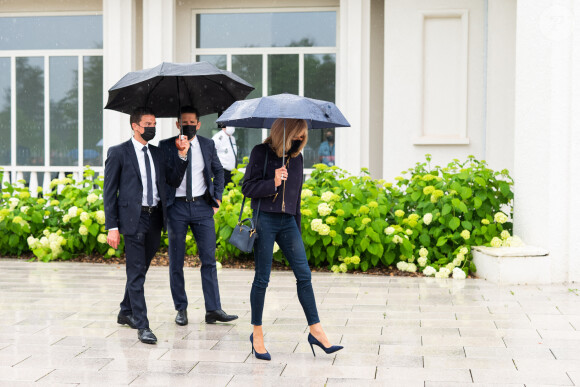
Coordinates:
<point>192,205</point>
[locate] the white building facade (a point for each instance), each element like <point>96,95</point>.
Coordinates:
<point>497,79</point>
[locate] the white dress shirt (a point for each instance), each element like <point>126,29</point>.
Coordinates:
<point>224,149</point>
<point>198,186</point>
<point>141,159</point>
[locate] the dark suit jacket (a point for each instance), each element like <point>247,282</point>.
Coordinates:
<point>123,189</point>
<point>212,169</point>
<point>258,186</point>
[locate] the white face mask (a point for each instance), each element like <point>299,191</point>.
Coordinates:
<point>230,130</point>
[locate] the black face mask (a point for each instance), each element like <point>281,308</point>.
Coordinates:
<point>149,133</point>
<point>189,131</point>
<point>330,138</point>
<point>295,146</point>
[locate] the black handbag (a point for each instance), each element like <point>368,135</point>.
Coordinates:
<point>243,236</point>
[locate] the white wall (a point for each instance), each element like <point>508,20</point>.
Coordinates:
<point>547,139</point>
<point>419,105</point>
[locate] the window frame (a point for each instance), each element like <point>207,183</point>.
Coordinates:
<point>46,54</point>
<point>265,51</point>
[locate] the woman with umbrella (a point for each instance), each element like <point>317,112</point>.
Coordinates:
<point>277,184</point>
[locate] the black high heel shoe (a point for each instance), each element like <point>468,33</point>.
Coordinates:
<point>261,356</point>
<point>313,341</point>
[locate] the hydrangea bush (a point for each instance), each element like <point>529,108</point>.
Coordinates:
<point>426,220</point>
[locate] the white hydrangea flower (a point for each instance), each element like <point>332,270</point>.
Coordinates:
<point>402,265</point>
<point>495,242</point>
<point>13,202</point>
<point>84,216</point>
<point>315,224</point>
<point>422,261</point>
<point>500,217</point>
<point>324,229</point>
<point>72,212</point>
<point>389,230</point>
<point>409,232</point>
<point>327,196</point>
<point>24,209</point>
<point>92,198</point>
<point>305,193</point>
<point>66,218</point>
<point>83,230</point>
<point>458,274</point>
<point>443,273</point>
<point>505,234</point>
<point>429,271</point>
<point>423,252</point>
<point>464,250</point>
<point>427,218</point>
<point>276,247</point>
<point>100,217</point>
<point>412,259</point>
<point>397,239</point>
<point>218,265</point>
<point>102,238</point>
<point>324,209</point>
<point>457,261</point>
<point>460,256</point>
<point>465,234</point>
<point>411,268</point>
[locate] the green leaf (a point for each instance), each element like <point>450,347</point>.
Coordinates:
<point>326,240</point>
<point>453,224</point>
<point>477,202</point>
<point>364,244</point>
<point>467,225</point>
<point>365,265</point>
<point>505,188</point>
<point>480,181</point>
<point>465,193</point>
<point>14,239</point>
<point>446,210</point>
<point>330,250</point>
<point>441,241</point>
<point>94,229</point>
<point>463,207</point>
<point>37,218</point>
<point>416,195</point>
<point>374,261</point>
<point>310,240</point>
<point>424,239</point>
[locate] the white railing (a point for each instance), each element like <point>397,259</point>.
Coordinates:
<point>14,175</point>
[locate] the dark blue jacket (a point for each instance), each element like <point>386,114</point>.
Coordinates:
<point>123,189</point>
<point>257,187</point>
<point>212,169</point>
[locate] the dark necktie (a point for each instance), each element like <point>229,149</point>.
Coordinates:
<point>235,153</point>
<point>188,194</point>
<point>149,180</point>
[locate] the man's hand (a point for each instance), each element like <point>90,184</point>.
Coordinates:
<point>182,144</point>
<point>215,210</point>
<point>113,238</point>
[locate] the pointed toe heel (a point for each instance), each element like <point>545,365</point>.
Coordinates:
<point>314,341</point>
<point>260,356</point>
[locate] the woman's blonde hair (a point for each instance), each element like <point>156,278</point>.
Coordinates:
<point>294,128</point>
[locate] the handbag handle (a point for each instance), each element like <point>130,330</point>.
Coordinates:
<point>240,221</point>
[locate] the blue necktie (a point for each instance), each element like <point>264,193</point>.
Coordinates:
<point>188,194</point>
<point>149,180</point>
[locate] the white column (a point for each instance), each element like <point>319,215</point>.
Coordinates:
<point>159,46</point>
<point>545,160</point>
<point>119,59</point>
<point>353,69</point>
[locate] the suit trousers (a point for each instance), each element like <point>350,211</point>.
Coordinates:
<point>140,248</point>
<point>198,216</point>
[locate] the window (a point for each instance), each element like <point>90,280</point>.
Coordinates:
<point>276,51</point>
<point>51,93</point>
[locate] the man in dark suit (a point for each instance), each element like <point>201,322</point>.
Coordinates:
<point>135,201</point>
<point>192,205</point>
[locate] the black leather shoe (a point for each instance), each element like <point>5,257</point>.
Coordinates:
<point>219,315</point>
<point>181,318</point>
<point>126,320</point>
<point>146,336</point>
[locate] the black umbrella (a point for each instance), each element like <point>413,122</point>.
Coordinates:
<point>169,86</point>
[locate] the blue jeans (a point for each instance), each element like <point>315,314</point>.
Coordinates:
<point>277,227</point>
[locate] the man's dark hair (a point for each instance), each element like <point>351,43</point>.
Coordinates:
<point>189,109</point>
<point>138,113</point>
